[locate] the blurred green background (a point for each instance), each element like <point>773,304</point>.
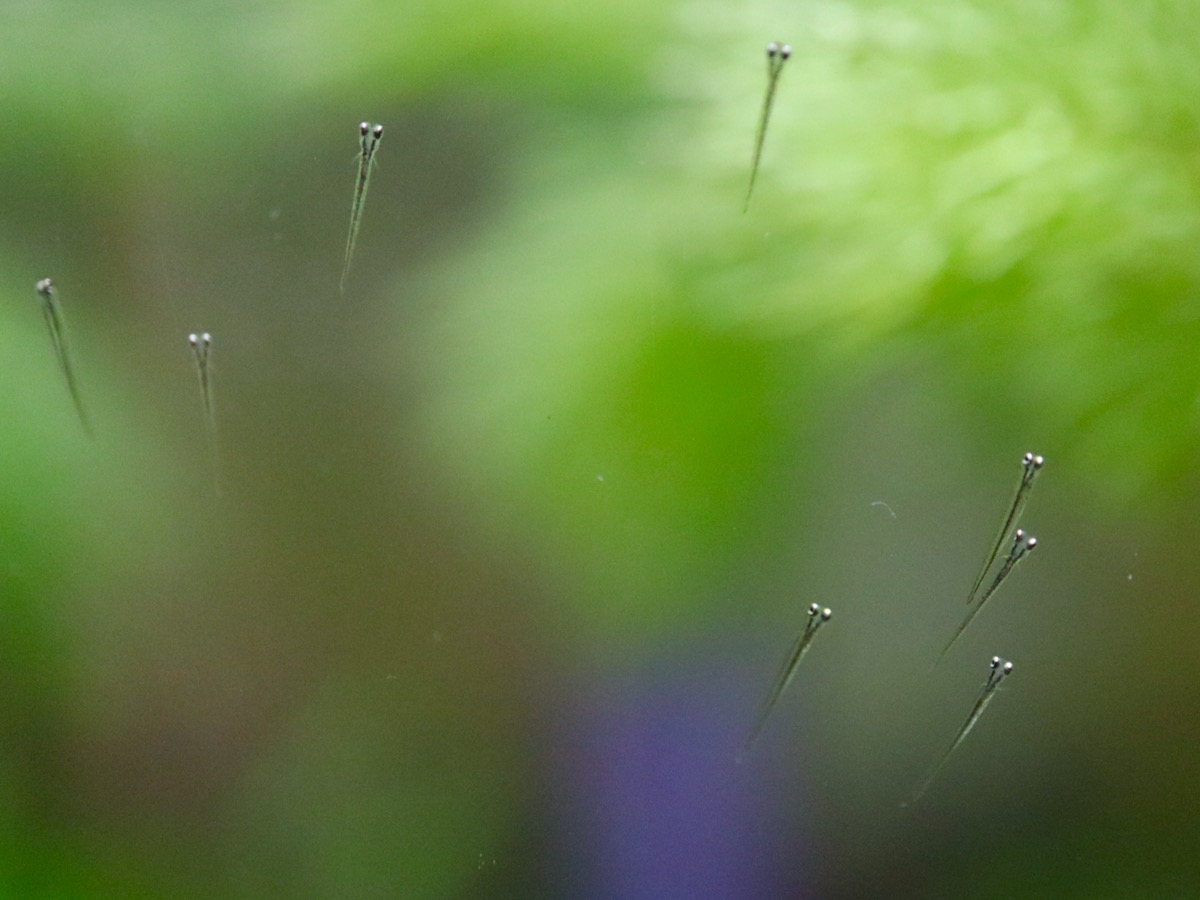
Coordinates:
<point>512,536</point>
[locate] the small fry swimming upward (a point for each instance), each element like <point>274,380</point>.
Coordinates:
<point>777,55</point>
<point>52,313</point>
<point>816,618</point>
<point>370,136</point>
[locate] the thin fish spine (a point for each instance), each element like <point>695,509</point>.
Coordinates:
<point>816,618</point>
<point>368,143</point>
<point>55,323</point>
<point>1000,669</point>
<point>777,55</point>
<point>201,345</point>
<point>1022,547</point>
<point>1031,464</point>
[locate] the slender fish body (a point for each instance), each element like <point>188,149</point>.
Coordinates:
<point>816,618</point>
<point>1001,669</point>
<point>369,137</point>
<point>56,325</point>
<point>1022,546</point>
<point>1031,464</point>
<point>201,345</point>
<point>777,55</point>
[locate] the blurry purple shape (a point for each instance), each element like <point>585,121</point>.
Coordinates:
<point>658,807</point>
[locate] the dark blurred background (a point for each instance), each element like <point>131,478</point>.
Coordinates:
<point>507,541</point>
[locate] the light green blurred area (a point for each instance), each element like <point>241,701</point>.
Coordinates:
<point>576,414</point>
